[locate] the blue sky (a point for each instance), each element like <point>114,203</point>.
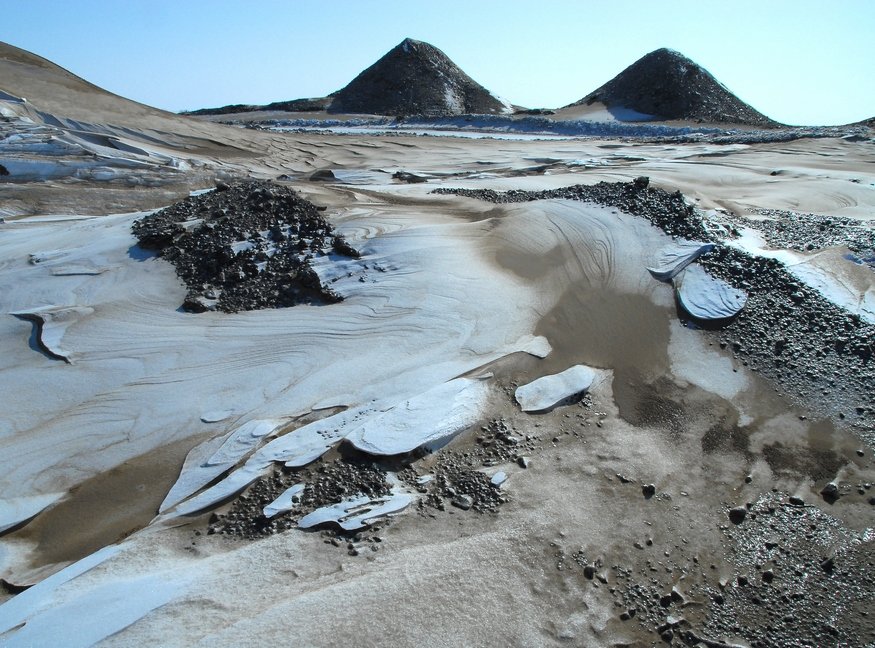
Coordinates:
<point>799,61</point>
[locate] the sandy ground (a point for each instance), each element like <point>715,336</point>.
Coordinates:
<point>91,448</point>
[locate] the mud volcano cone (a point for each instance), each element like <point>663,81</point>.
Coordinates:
<point>668,85</point>
<point>415,78</point>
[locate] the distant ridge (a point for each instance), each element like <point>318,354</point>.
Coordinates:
<point>415,78</point>
<point>668,85</point>
<point>316,104</point>
<point>45,93</point>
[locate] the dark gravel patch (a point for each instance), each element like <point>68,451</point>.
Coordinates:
<point>668,211</point>
<point>325,484</point>
<point>456,478</point>
<point>817,353</point>
<point>797,577</point>
<point>455,481</point>
<point>807,232</point>
<point>246,246</point>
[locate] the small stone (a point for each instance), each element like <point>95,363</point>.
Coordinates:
<point>768,576</point>
<point>796,501</point>
<point>830,492</point>
<point>523,462</point>
<point>463,502</point>
<point>737,514</point>
<point>649,490</point>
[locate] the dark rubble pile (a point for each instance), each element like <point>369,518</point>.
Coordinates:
<point>668,211</point>
<point>244,247</point>
<point>807,232</point>
<point>414,78</point>
<point>325,484</point>
<point>818,353</point>
<point>454,478</point>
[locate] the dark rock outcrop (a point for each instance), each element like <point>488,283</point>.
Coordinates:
<point>415,78</point>
<point>668,85</point>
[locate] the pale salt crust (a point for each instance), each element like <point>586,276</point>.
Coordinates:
<point>706,297</point>
<point>548,391</point>
<point>675,258</point>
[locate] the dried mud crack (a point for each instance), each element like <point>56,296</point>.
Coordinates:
<point>246,246</point>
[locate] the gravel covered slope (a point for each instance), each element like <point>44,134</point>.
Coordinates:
<point>668,85</point>
<point>415,78</point>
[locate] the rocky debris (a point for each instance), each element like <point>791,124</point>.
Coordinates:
<point>830,492</point>
<point>668,211</point>
<point>324,485</point>
<point>737,514</point>
<point>816,352</point>
<point>323,175</point>
<point>534,111</point>
<point>668,85</point>
<point>314,104</point>
<point>244,247</point>
<point>409,178</point>
<point>12,588</point>
<point>454,478</point>
<point>415,78</point>
<point>806,232</point>
<point>793,576</point>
